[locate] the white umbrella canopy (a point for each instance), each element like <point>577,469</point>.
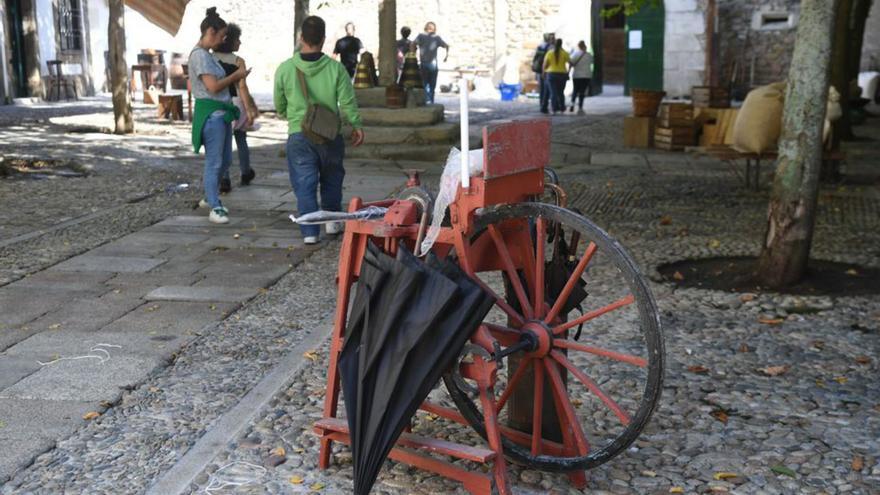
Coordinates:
<point>167,14</point>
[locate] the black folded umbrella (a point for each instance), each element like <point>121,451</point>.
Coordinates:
<point>409,322</point>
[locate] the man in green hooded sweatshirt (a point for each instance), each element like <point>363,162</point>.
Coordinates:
<point>315,165</point>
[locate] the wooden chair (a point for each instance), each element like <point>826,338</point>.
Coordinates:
<point>57,80</point>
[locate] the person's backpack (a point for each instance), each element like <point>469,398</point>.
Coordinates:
<point>320,124</point>
<point>538,60</point>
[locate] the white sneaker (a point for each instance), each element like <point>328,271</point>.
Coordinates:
<point>312,239</point>
<point>334,228</point>
<point>203,203</point>
<point>218,215</point>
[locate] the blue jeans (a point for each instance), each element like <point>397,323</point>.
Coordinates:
<point>557,82</point>
<point>429,79</point>
<point>310,166</point>
<point>544,92</point>
<point>217,136</point>
<point>244,153</point>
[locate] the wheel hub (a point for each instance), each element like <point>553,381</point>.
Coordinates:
<point>540,335</point>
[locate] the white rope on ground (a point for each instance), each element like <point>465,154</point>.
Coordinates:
<point>97,348</point>
<point>217,482</point>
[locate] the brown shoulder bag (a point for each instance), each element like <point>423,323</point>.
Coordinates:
<point>320,125</point>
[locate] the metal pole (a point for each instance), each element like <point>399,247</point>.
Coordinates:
<point>465,135</point>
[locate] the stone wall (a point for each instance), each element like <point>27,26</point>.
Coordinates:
<point>756,41</point>
<point>684,46</point>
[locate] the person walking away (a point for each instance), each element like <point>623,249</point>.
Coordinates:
<point>403,45</point>
<point>241,98</point>
<point>312,166</point>
<point>428,43</point>
<point>581,72</point>
<point>214,112</point>
<point>538,69</point>
<point>347,50</point>
<point>556,68</point>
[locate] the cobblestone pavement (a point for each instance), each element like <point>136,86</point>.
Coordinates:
<point>816,423</point>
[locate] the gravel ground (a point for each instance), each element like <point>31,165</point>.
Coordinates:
<point>811,428</point>
<point>788,407</point>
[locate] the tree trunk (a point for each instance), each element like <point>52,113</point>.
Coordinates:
<point>300,12</point>
<point>792,210</point>
<point>124,122</point>
<point>840,74</point>
<point>387,42</point>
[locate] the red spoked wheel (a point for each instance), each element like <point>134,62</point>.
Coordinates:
<point>577,333</point>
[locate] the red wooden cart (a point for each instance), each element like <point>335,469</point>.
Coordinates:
<point>526,382</point>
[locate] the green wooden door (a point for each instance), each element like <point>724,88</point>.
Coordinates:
<point>644,49</point>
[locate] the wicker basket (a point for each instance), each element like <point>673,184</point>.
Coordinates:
<point>646,102</point>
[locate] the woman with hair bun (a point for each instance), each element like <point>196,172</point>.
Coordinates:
<point>214,111</point>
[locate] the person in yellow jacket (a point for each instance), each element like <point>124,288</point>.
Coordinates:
<point>556,72</point>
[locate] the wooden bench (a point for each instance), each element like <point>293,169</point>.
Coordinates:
<point>731,156</point>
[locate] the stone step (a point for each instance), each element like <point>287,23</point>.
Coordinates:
<point>434,153</point>
<point>375,97</point>
<point>442,133</point>
<point>427,115</point>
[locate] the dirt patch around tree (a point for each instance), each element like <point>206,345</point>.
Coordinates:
<point>737,274</point>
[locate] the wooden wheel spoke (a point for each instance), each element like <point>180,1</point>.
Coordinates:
<point>541,244</point>
<point>505,335</point>
<point>572,433</point>
<point>617,356</point>
<point>510,269</point>
<point>537,410</point>
<point>569,285</point>
<point>511,384</point>
<point>500,302</point>
<point>592,387</point>
<point>624,301</point>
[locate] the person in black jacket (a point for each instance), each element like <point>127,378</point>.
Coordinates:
<point>538,69</point>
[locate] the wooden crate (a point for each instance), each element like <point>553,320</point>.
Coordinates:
<point>674,138</point>
<point>638,132</point>
<point>710,96</point>
<point>676,115</point>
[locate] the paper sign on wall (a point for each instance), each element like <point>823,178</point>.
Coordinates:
<point>635,40</point>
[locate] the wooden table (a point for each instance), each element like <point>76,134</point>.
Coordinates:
<point>149,69</point>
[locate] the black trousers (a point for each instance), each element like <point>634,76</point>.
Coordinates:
<point>580,90</point>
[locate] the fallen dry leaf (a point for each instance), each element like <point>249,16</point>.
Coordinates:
<point>820,383</point>
<point>55,326</point>
<point>279,451</point>
<point>665,220</point>
<point>91,415</point>
<point>770,321</point>
<point>818,344</point>
<point>747,297</point>
<point>857,463</point>
<point>743,348</point>
<point>863,360</point>
<point>698,369</point>
<point>312,355</point>
<point>649,474</point>
<point>724,475</point>
<point>773,370</point>
<point>577,402</point>
<point>676,489</point>
<point>714,244</point>
<point>841,379</point>
<point>317,486</point>
<point>852,272</point>
<point>678,276</point>
<point>720,415</point>
<point>153,390</point>
<point>296,479</point>
<point>718,489</point>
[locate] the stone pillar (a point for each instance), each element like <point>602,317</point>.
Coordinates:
<point>387,42</point>
<point>501,12</point>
